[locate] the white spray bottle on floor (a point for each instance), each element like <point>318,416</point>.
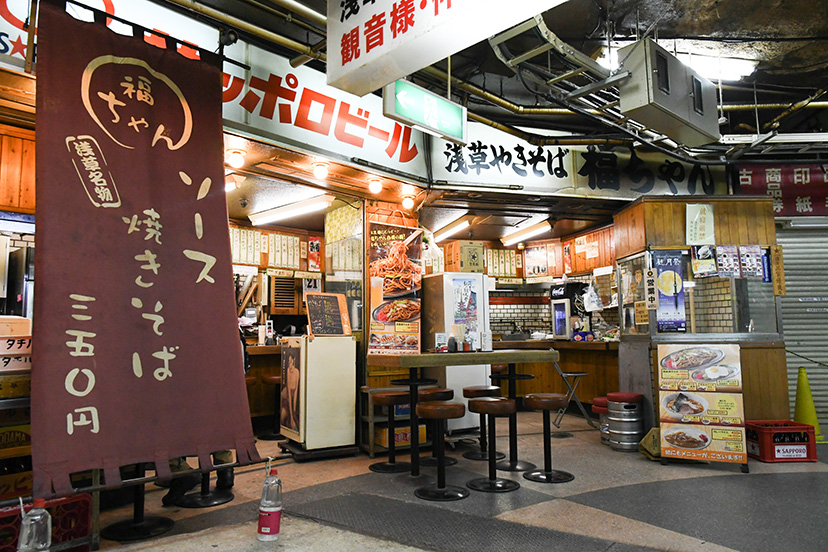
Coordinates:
<point>270,507</point>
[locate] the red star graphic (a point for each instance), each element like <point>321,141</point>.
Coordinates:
<point>18,46</point>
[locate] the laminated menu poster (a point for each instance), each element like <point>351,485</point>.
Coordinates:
<point>395,286</point>
<point>701,408</point>
<point>727,259</point>
<point>750,261</point>
<point>671,314</point>
<point>536,261</point>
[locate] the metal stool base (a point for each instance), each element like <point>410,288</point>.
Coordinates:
<point>448,493</point>
<point>517,465</point>
<point>201,500</point>
<point>498,485</point>
<point>554,476</point>
<point>431,461</point>
<point>388,467</point>
<point>127,530</point>
<point>479,455</point>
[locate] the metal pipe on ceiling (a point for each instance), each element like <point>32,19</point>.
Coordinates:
<point>303,10</point>
<point>248,28</point>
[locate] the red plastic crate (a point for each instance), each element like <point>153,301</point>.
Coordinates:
<point>780,441</point>
<point>71,521</point>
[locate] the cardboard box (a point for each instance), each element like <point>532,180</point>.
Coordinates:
<point>15,325</point>
<point>15,436</point>
<point>464,256</point>
<point>403,435</point>
<point>15,385</point>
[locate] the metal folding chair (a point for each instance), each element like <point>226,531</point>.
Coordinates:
<point>571,379</point>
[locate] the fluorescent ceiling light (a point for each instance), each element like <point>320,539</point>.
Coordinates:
<point>292,210</point>
<point>526,233</point>
<point>453,228</point>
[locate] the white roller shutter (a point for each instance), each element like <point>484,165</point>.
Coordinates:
<point>805,312</point>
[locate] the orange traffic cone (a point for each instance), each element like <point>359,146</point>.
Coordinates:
<point>804,410</point>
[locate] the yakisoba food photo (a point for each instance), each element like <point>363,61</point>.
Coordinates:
<point>398,310</point>
<point>399,273</point>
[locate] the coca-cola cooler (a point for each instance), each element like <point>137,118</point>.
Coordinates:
<point>566,309</point>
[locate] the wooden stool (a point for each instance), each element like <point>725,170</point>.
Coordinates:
<point>547,402</point>
<point>390,399</point>
<point>492,407</point>
<point>440,412</point>
<point>275,435</point>
<point>435,394</point>
<point>473,392</point>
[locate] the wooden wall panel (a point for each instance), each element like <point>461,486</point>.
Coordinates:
<point>17,169</point>
<point>765,381</point>
<point>628,231</point>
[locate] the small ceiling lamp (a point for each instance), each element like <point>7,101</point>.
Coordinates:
<point>374,185</point>
<point>526,233</point>
<point>320,170</point>
<point>408,202</point>
<point>235,158</point>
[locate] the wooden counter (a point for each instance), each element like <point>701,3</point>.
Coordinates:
<point>264,360</point>
<point>598,358</point>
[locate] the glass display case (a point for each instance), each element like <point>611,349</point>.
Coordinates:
<point>693,305</point>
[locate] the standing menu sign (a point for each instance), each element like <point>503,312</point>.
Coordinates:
<point>327,314</point>
<point>701,410</point>
<point>395,284</point>
<point>137,337</point>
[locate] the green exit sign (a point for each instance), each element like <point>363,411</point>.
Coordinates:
<point>424,110</point>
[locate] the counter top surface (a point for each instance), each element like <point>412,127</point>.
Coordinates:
<point>424,360</point>
<point>264,349</point>
<point>532,344</point>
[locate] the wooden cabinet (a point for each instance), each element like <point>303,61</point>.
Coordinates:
<point>17,169</point>
<point>286,296</point>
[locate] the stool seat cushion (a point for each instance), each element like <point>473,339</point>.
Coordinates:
<point>545,401</point>
<point>440,410</point>
<point>435,394</point>
<point>249,380</point>
<point>385,398</point>
<point>481,391</point>
<point>272,379</point>
<point>625,397</point>
<point>497,406</point>
<point>599,401</point>
<point>600,409</point>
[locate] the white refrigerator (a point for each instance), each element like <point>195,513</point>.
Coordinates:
<point>318,394</point>
<point>451,299</point>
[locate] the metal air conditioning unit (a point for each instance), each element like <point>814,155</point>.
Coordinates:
<point>667,96</point>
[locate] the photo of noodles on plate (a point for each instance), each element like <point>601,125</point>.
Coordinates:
<point>687,438</point>
<point>398,310</point>
<point>692,358</point>
<point>400,275</point>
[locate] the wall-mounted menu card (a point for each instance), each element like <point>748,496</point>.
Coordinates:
<point>327,314</point>
<point>701,409</point>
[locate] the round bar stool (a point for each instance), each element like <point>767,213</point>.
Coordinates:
<point>473,392</point>
<point>274,379</point>
<point>492,407</point>
<point>440,412</point>
<point>390,399</point>
<point>435,394</point>
<point>547,402</point>
<point>512,463</point>
<point>414,381</point>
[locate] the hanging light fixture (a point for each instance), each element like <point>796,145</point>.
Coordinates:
<point>235,158</point>
<point>453,228</point>
<point>526,233</point>
<point>292,210</point>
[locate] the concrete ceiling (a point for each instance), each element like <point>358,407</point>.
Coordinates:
<point>787,38</point>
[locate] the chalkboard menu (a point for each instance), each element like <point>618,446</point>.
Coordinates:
<point>327,314</point>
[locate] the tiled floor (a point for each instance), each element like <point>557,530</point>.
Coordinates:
<point>617,502</point>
